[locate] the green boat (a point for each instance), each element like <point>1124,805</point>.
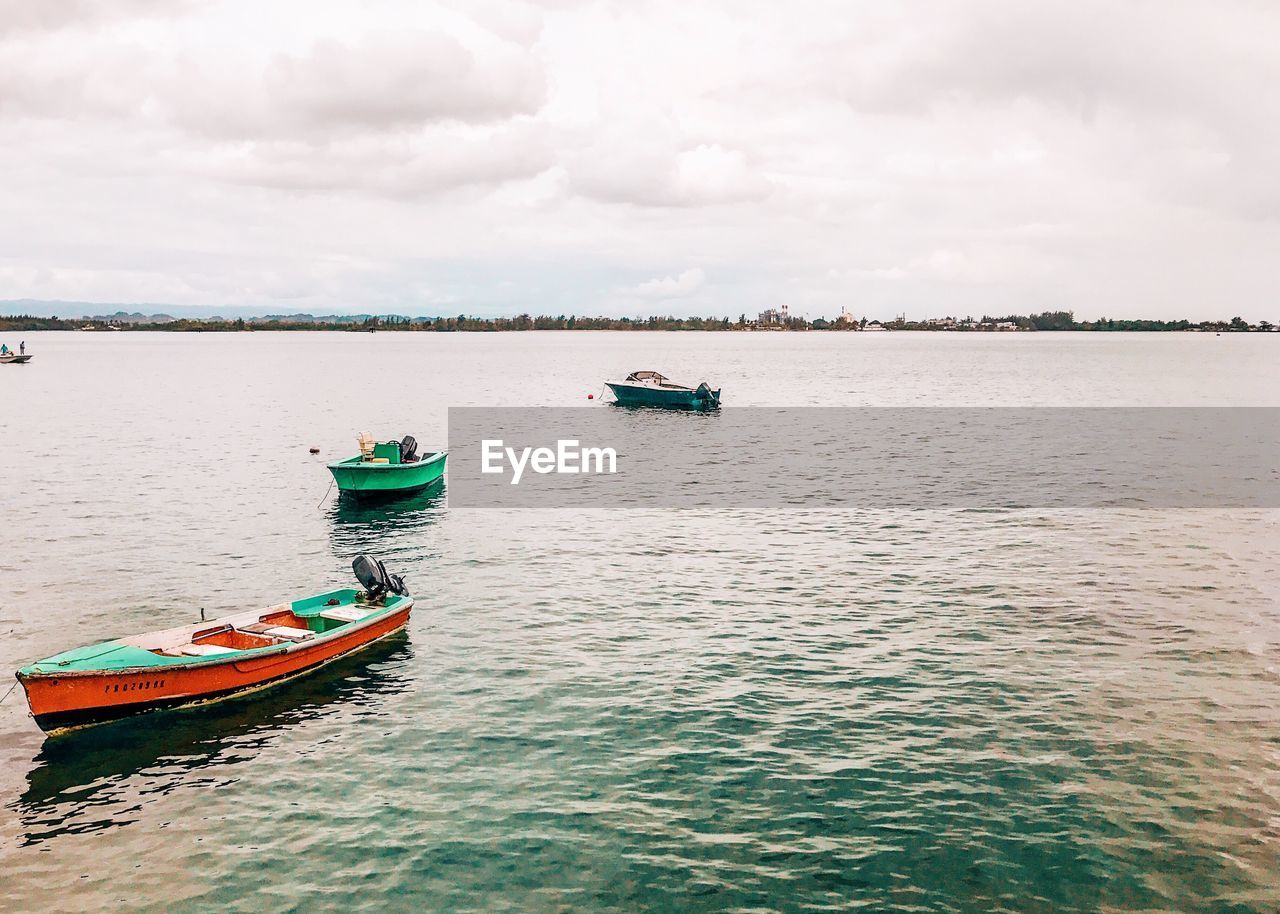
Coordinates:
<point>648,388</point>
<point>387,469</point>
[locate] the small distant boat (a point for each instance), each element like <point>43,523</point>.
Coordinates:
<point>387,469</point>
<point>14,359</point>
<point>648,388</point>
<point>205,661</point>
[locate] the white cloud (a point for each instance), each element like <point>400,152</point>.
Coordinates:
<point>25,16</point>
<point>930,155</point>
<point>380,82</point>
<point>680,286</point>
<point>401,167</point>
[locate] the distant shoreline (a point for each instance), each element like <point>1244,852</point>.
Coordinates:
<point>1046,321</point>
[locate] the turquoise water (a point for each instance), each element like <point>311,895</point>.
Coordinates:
<point>666,711</point>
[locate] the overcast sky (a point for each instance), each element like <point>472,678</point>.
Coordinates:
<point>497,156</point>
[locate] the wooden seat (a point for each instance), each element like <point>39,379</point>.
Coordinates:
<point>283,632</point>
<point>344,614</point>
<point>204,650</point>
<point>289,633</point>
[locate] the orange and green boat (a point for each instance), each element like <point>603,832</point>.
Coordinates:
<point>209,660</point>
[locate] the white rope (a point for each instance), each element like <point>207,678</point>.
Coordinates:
<point>326,495</point>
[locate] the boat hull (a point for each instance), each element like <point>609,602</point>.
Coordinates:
<point>664,398</point>
<point>64,701</point>
<point>15,359</point>
<point>372,480</point>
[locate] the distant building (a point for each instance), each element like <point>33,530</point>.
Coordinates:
<point>770,316</point>
<point>847,317</point>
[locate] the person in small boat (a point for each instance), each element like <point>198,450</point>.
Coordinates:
<point>22,348</point>
<point>4,349</point>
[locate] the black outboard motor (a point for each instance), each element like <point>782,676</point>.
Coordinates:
<point>372,575</point>
<point>409,449</point>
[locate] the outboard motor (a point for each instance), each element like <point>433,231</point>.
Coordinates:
<point>409,449</point>
<point>372,575</point>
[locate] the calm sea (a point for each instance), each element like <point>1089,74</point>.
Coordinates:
<point>746,710</point>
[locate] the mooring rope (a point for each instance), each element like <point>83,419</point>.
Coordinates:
<point>8,693</point>
<point>326,495</point>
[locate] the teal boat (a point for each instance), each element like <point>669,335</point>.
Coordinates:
<point>387,469</point>
<point>648,388</point>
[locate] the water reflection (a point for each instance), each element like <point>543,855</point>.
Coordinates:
<point>99,778</point>
<point>384,528</point>
<point>641,409</point>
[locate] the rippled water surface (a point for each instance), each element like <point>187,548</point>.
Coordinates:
<point>664,711</point>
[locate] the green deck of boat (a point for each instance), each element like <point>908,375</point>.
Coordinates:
<point>113,655</point>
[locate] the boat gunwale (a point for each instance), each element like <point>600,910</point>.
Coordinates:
<point>640,385</point>
<point>359,461</point>
<point>634,385</point>
<point>253,653</point>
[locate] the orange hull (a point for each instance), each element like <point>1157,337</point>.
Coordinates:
<point>63,700</point>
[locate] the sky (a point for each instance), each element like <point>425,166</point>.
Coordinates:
<point>490,157</point>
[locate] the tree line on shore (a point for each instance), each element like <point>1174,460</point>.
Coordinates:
<point>1047,320</point>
